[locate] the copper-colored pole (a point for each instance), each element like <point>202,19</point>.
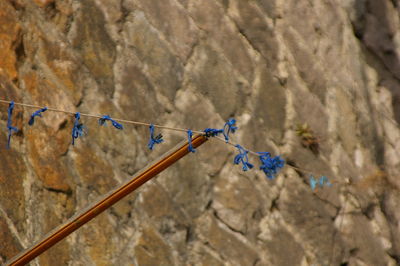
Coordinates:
<point>74,223</point>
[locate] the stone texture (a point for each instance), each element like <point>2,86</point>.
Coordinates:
<point>174,23</point>
<point>10,245</point>
<point>13,172</point>
<point>193,64</point>
<point>151,249</point>
<point>163,68</point>
<point>223,34</point>
<point>95,46</point>
<point>43,3</point>
<point>10,39</point>
<point>222,241</point>
<point>213,77</point>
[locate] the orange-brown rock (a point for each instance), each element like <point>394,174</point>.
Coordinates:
<point>43,3</point>
<point>46,148</point>
<point>95,172</point>
<point>9,39</point>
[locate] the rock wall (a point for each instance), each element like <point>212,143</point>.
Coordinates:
<point>271,64</point>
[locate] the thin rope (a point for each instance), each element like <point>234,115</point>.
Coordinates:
<point>138,123</point>
<point>100,116</point>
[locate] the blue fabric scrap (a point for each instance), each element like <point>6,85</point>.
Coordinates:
<point>102,122</point>
<point>9,123</point>
<point>270,165</point>
<point>154,140</point>
<point>242,158</point>
<point>37,113</point>
<point>229,127</point>
<point>190,135</point>
<point>78,129</point>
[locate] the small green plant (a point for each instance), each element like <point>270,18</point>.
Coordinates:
<point>308,139</point>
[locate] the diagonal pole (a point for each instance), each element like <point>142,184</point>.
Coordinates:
<point>105,202</point>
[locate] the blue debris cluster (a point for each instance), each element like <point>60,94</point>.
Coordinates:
<point>321,182</point>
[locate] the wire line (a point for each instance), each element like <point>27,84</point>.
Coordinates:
<point>219,138</point>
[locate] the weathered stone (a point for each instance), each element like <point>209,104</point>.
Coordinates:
<point>164,69</point>
<point>8,91</point>
<point>173,21</point>
<point>152,250</point>
<point>187,184</point>
<point>222,241</point>
<point>9,39</point>
<point>204,256</point>
<point>95,172</point>
<point>236,212</point>
<point>56,121</point>
<point>136,89</point>
<point>155,203</point>
<point>95,237</point>
<point>12,174</point>
<point>306,65</point>
<point>95,46</point>
<point>194,64</point>
<point>271,8</point>
<point>55,212</point>
<point>45,149</point>
<point>366,246</point>
<point>284,249</point>
<point>210,16</point>
<point>214,78</point>
<point>270,105</point>
<point>311,221</point>
<point>391,201</point>
<point>63,67</point>
<point>43,3</point>
<point>378,32</point>
<point>10,245</point>
<point>254,27</point>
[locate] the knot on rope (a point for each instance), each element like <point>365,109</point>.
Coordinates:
<point>323,180</point>
<point>37,113</point>
<point>212,132</point>
<point>102,122</point>
<point>190,135</point>
<point>269,165</point>
<point>77,130</point>
<point>229,127</point>
<point>154,140</point>
<point>9,123</point>
<point>242,158</point>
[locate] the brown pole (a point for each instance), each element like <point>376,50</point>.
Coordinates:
<point>98,207</point>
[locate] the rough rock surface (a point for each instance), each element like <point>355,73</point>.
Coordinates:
<point>271,64</point>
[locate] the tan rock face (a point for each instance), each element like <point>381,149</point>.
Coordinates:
<point>193,64</point>
<point>95,47</point>
<point>151,249</point>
